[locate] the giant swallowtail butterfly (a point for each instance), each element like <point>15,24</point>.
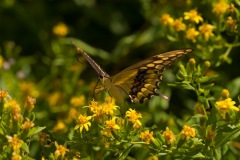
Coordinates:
<point>139,81</point>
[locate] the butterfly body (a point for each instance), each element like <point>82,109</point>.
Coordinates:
<point>140,81</point>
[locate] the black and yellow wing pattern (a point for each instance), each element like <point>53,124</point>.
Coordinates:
<point>140,81</point>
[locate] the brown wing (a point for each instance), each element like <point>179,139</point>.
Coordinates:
<point>141,80</point>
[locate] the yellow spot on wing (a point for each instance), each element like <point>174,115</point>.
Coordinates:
<point>159,67</point>
<point>150,65</point>
<point>143,68</point>
<point>140,95</point>
<point>158,62</point>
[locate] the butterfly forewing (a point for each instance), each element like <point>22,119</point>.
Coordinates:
<point>141,80</point>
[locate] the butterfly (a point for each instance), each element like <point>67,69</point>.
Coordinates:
<point>140,81</point>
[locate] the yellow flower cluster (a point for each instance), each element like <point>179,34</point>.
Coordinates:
<point>27,124</point>
<point>220,7</point>
<point>193,16</point>
<point>14,142</point>
<point>60,151</point>
<point>3,95</point>
<point>133,117</point>
<point>205,30</point>
<point>169,136</point>
<point>99,111</point>
<point>60,29</point>
<point>77,101</point>
<point>224,105</point>
<point>188,132</point>
<point>147,136</point>
<point>83,121</point>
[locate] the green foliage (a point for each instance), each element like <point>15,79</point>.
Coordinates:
<point>46,106</point>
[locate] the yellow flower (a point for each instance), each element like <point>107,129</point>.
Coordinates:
<point>225,94</point>
<point>72,115</point>
<point>108,108</point>
<point>15,110</point>
<point>59,127</point>
<point>106,132</point>
<point>231,24</point>
<point>14,142</point>
<point>111,124</point>
<point>133,117</point>
<point>77,101</point>
<point>60,29</point>
<point>169,136</point>
<point>44,139</point>
<point>193,16</point>
<point>27,124</point>
<point>206,31</point>
<point>101,110</point>
<point>16,156</point>
<point>210,136</point>
<point>191,34</point>
<point>3,95</point>
<point>29,88</point>
<point>220,7</point>
<point>61,151</point>
<point>99,113</point>
<point>166,19</point>
<point>231,8</point>
<point>83,122</point>
<point>109,99</point>
<point>224,105</point>
<point>199,108</point>
<point>153,157</point>
<point>93,105</point>
<point>54,98</point>
<point>147,136</point>
<point>29,103</point>
<point>188,132</point>
<point>178,25</point>
<point>106,142</point>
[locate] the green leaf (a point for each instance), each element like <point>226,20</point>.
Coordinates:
<point>4,154</point>
<point>198,156</point>
<point>199,130</point>
<point>234,86</point>
<point>212,118</point>
<point>224,138</point>
<point>60,137</point>
<point>160,137</point>
<point>125,152</point>
<point>51,157</point>
<point>25,147</point>
<point>27,158</point>
<point>206,78</point>
<point>182,85</point>
<point>35,130</point>
<point>204,101</point>
<point>209,86</point>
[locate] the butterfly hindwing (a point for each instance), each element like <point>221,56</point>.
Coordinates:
<point>141,80</point>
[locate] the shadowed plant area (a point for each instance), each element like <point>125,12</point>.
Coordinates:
<point>52,106</point>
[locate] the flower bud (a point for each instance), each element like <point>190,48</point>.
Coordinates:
<point>205,67</point>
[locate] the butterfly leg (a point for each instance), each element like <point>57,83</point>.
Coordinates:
<point>97,90</point>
